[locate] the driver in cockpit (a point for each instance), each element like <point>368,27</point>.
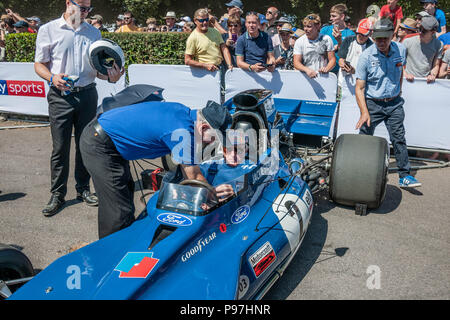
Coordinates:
<point>224,174</point>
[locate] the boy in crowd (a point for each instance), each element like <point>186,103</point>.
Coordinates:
<point>314,52</point>
<point>338,29</point>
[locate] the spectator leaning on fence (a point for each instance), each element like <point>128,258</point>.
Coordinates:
<point>444,71</point>
<point>254,49</point>
<point>314,52</point>
<point>379,76</point>
<point>205,47</point>
<point>424,52</point>
<point>74,111</point>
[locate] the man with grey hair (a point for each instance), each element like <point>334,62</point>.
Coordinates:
<point>205,47</point>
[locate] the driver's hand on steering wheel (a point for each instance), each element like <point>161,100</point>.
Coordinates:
<point>224,191</point>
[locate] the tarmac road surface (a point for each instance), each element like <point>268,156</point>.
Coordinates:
<point>399,251</point>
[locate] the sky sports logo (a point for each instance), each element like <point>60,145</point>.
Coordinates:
<point>22,88</point>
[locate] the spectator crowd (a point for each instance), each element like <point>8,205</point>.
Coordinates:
<point>256,41</point>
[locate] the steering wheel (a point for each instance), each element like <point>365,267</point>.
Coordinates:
<point>201,184</point>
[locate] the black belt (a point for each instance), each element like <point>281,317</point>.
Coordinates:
<point>385,99</point>
<point>78,89</point>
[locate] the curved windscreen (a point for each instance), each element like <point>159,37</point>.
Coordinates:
<point>187,199</point>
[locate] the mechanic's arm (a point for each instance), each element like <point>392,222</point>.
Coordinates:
<point>361,100</point>
<point>193,173</point>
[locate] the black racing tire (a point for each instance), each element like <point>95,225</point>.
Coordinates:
<point>14,265</point>
<point>359,168</point>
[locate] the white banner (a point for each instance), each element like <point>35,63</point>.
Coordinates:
<point>427,110</point>
<point>285,84</point>
<point>192,87</point>
<point>23,91</point>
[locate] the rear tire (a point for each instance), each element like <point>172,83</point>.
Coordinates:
<point>359,170</point>
<point>14,265</point>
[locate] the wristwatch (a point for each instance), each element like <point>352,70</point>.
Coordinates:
<point>250,68</point>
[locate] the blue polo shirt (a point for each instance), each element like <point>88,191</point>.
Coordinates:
<point>440,17</point>
<point>382,73</point>
<point>254,50</point>
<point>445,38</point>
<point>328,30</point>
<point>152,129</point>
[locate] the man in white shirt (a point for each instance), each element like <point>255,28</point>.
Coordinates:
<point>314,52</point>
<point>62,50</point>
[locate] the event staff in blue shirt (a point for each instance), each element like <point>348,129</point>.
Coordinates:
<point>147,130</point>
<point>379,76</point>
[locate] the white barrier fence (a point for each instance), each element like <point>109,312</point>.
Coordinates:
<point>427,106</point>
<point>427,110</point>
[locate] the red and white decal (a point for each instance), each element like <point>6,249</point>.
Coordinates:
<point>262,259</point>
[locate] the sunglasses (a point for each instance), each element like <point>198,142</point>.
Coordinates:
<point>203,20</point>
<point>234,25</point>
<point>82,9</point>
<point>269,12</point>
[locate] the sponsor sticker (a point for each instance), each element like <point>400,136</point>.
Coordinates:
<point>308,199</point>
<point>136,265</point>
<point>262,259</point>
<point>240,214</point>
<point>174,219</point>
<point>22,88</point>
<point>201,243</point>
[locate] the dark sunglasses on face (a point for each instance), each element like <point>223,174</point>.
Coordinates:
<point>82,9</point>
<point>233,25</point>
<point>203,20</point>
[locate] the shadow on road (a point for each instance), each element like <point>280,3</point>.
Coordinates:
<point>12,196</point>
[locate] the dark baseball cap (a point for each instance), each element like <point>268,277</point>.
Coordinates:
<point>217,116</point>
<point>383,28</point>
<point>21,24</point>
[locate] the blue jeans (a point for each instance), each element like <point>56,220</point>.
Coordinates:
<point>392,114</point>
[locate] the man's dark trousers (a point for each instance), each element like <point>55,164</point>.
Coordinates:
<point>69,112</point>
<point>112,180</point>
<point>392,114</point>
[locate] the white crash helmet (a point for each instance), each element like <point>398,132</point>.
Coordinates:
<point>103,53</point>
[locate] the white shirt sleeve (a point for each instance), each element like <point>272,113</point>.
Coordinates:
<point>43,45</point>
<point>298,46</point>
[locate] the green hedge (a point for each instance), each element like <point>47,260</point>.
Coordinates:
<point>139,48</point>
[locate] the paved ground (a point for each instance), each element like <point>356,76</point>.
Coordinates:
<point>400,250</point>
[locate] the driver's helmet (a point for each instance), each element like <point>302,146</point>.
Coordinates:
<point>103,53</point>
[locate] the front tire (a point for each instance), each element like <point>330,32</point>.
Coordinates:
<point>14,265</point>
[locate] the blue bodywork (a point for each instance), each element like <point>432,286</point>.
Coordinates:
<point>235,251</point>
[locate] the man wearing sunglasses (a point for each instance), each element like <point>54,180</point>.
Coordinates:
<point>128,24</point>
<point>205,47</point>
<point>62,50</point>
<point>272,15</point>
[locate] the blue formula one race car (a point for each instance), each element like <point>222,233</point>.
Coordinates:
<point>189,245</point>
